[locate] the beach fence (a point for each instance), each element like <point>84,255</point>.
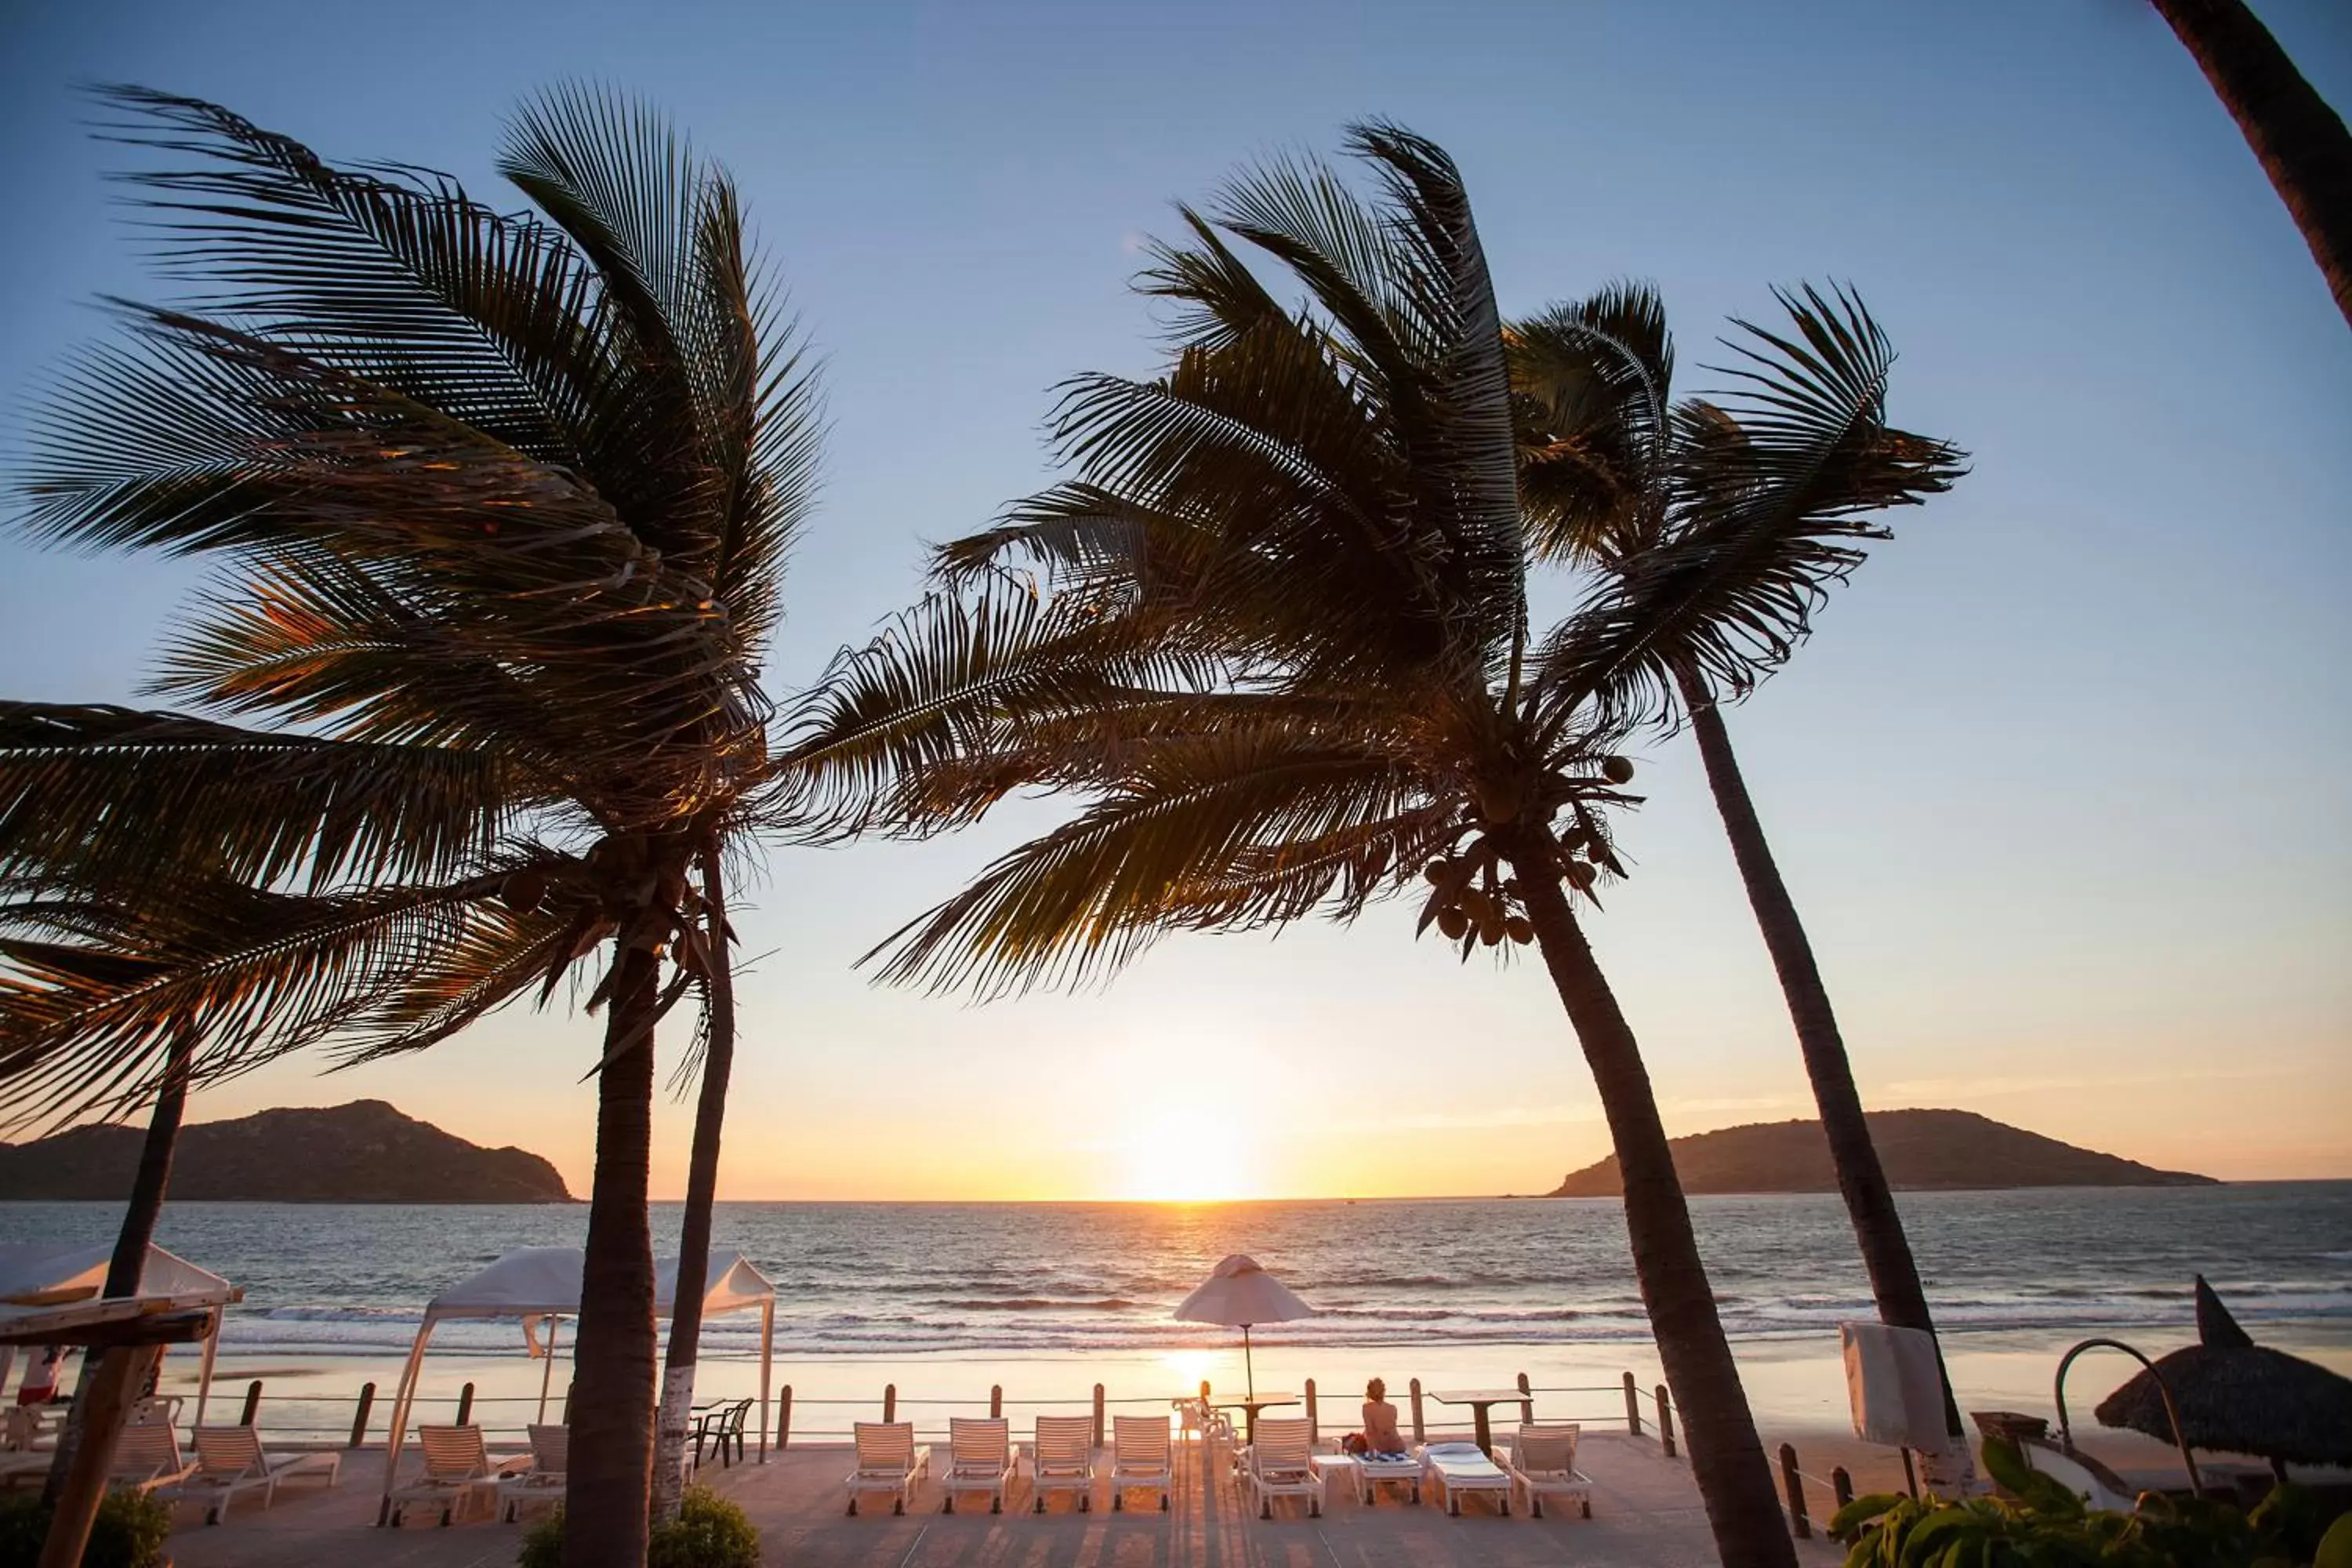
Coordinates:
<point>307,1420</point>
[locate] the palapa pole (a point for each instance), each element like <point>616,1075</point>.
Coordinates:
<point>1248,1370</point>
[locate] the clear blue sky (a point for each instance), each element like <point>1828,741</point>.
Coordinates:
<point>2059,784</point>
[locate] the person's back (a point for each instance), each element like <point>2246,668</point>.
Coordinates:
<point>1380,1434</point>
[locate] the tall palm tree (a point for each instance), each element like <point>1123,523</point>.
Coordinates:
<point>2299,139</point>
<point>500,504</point>
<point>1280,644</point>
<point>1619,479</point>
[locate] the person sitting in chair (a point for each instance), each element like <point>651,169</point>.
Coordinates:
<point>1379,1434</point>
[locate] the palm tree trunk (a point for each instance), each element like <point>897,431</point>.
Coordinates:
<point>1862,1181</point>
<point>604,1496</point>
<point>131,1242</point>
<point>701,1191</point>
<point>2302,142</point>
<point>1726,1457</point>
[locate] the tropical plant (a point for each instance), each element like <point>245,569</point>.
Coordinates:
<point>501,503</point>
<point>129,1531</point>
<point>1278,641</point>
<point>2300,142</point>
<point>1716,533</point>
<point>709,1532</point>
<point>2042,1524</point>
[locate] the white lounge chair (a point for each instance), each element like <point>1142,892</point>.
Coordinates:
<point>455,1463</point>
<point>1542,1463</point>
<point>1062,1459</point>
<point>888,1461</point>
<point>1138,1458</point>
<point>979,1459</point>
<point>230,1461</point>
<point>1280,1463</point>
<point>551,1454</point>
<point>147,1458</point>
<point>1458,1467</point>
<point>1374,1471</point>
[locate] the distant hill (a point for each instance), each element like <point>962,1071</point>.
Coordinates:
<point>364,1152</point>
<point>1922,1150</point>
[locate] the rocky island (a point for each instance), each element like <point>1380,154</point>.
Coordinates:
<point>1923,1151</point>
<point>364,1152</point>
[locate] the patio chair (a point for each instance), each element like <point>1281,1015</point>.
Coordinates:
<point>722,1425</point>
<point>230,1460</point>
<point>888,1461</point>
<point>1458,1467</point>
<point>1542,1463</point>
<point>979,1459</point>
<point>1281,1463</point>
<point>550,1453</point>
<point>1139,1460</point>
<point>455,1463</point>
<point>147,1458</point>
<point>1062,1459</point>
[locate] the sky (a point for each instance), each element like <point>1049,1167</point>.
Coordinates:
<point>2059,784</point>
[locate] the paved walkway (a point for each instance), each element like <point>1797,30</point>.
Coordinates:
<point>1645,1514</point>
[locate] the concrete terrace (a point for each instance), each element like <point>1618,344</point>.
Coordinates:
<point>1645,1514</point>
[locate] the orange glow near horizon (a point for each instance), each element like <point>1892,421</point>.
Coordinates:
<point>1186,1155</point>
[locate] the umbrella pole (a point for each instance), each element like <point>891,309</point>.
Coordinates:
<point>1248,1370</point>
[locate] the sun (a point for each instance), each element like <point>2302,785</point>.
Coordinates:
<point>1187,1155</point>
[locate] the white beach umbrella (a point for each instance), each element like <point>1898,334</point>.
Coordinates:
<point>1237,1294</point>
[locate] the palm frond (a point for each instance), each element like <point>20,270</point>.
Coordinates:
<point>1591,382</point>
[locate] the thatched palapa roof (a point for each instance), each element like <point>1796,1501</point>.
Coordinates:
<point>2239,1398</point>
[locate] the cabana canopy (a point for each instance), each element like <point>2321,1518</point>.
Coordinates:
<point>2239,1398</point>
<point>534,1284</point>
<point>42,1274</point>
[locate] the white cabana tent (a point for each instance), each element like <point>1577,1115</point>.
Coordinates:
<point>50,1274</point>
<point>542,1284</point>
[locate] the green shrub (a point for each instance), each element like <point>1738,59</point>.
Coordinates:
<point>129,1531</point>
<point>709,1533</point>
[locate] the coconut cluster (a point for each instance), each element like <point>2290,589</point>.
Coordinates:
<point>1473,897</point>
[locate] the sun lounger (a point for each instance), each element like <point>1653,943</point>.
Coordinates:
<point>1458,1467</point>
<point>456,1464</point>
<point>1542,1464</point>
<point>550,1453</point>
<point>147,1458</point>
<point>1138,1458</point>
<point>230,1461</point>
<point>1280,1463</point>
<point>1374,1471</point>
<point>888,1461</point>
<point>979,1459</point>
<point>1062,1459</point>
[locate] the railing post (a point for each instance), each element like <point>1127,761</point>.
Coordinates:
<point>1666,1421</point>
<point>995,1401</point>
<point>1841,1486</point>
<point>890,1402</point>
<point>360,1421</point>
<point>1794,1485</point>
<point>1420,1434</point>
<point>465,1404</point>
<point>252,1402</point>
<point>1633,1407</point>
<point>784,1418</point>
<point>1204,1391</point>
<point>1528,1406</point>
<point>1314,1430</point>
<point>1098,1415</point>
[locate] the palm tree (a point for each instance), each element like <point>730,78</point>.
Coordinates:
<point>1699,518</point>
<point>1280,643</point>
<point>501,503</point>
<point>2299,139</point>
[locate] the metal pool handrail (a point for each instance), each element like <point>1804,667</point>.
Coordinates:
<point>2171,1411</point>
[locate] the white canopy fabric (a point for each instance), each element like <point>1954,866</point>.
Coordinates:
<point>49,1274</point>
<point>1237,1294</point>
<point>536,1284</point>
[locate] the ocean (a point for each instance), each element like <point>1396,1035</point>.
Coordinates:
<point>1496,1285</point>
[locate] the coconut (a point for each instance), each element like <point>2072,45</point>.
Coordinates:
<point>1453,921</point>
<point>1582,874</point>
<point>523,889</point>
<point>1617,770</point>
<point>1520,929</point>
<point>1436,869</point>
